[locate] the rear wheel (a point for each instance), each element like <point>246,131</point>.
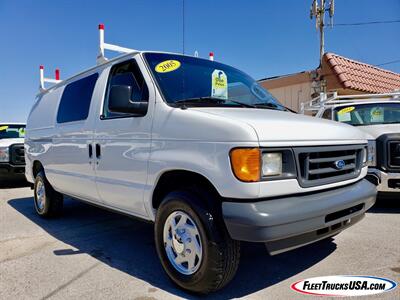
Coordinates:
<point>193,244</point>
<point>48,202</point>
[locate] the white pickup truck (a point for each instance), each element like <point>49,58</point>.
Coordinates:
<point>378,115</point>
<point>12,158</point>
<point>204,152</point>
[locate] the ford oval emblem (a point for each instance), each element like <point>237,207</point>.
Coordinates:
<point>339,164</point>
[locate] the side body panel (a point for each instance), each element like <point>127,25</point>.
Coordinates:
<point>40,131</point>
<point>72,170</point>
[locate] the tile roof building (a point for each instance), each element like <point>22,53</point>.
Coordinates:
<point>340,74</point>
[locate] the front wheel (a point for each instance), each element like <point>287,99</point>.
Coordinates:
<point>48,202</point>
<point>192,243</point>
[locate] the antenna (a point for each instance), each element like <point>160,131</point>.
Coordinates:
<point>183,27</point>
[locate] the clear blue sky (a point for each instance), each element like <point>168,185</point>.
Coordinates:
<point>263,38</point>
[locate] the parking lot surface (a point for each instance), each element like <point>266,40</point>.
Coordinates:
<point>91,253</point>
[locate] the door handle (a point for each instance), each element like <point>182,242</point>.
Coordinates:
<point>98,151</point>
<point>90,150</point>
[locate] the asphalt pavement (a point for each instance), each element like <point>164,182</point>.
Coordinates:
<point>90,253</point>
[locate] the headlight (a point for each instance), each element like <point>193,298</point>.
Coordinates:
<point>4,154</point>
<point>272,164</point>
<point>371,157</point>
<point>254,164</point>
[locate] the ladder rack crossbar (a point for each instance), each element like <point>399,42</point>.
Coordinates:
<point>51,80</point>
<point>119,49</point>
<point>43,80</point>
<point>334,99</point>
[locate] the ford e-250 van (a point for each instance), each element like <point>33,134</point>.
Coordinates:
<point>201,150</point>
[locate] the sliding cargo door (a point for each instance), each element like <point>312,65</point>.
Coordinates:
<point>72,170</point>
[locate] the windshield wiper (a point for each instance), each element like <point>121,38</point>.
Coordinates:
<point>212,100</point>
<point>273,106</point>
<point>371,124</point>
<point>200,99</point>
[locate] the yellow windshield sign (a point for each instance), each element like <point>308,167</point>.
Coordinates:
<point>2,128</point>
<point>219,84</point>
<point>167,66</point>
<point>346,110</point>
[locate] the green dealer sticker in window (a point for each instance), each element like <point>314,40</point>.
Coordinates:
<point>21,132</point>
<point>167,66</point>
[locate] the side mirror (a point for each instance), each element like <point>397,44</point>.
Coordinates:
<point>119,101</point>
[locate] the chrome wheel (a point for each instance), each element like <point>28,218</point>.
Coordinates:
<point>182,243</point>
<point>40,195</point>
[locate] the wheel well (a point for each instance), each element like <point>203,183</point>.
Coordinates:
<point>37,166</point>
<point>173,180</point>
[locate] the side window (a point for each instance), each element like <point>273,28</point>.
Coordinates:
<point>75,100</point>
<point>327,114</point>
<point>126,73</point>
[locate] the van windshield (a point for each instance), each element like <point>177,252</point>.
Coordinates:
<point>12,131</point>
<point>368,114</point>
<point>186,80</point>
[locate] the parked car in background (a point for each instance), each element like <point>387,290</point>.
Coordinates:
<point>202,150</point>
<point>12,158</point>
<point>379,117</point>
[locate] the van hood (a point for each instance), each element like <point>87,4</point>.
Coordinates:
<point>9,142</point>
<point>280,126</point>
<point>375,131</point>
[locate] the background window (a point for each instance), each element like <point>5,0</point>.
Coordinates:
<point>127,73</point>
<point>75,100</point>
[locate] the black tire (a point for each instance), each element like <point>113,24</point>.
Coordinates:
<point>52,205</point>
<point>220,254</point>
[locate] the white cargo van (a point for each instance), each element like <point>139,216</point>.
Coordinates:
<point>201,150</point>
<point>378,115</point>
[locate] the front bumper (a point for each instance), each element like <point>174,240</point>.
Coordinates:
<point>387,182</point>
<point>290,222</point>
<point>12,172</point>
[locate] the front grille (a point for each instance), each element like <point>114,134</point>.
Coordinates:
<point>394,154</point>
<point>330,164</point>
<point>17,154</point>
<point>388,152</point>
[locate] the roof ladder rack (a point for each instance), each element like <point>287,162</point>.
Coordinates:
<point>45,79</point>
<point>105,46</point>
<point>333,99</point>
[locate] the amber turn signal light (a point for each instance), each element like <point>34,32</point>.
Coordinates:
<point>246,164</point>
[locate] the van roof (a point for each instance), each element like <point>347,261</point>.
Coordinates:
<point>11,123</point>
